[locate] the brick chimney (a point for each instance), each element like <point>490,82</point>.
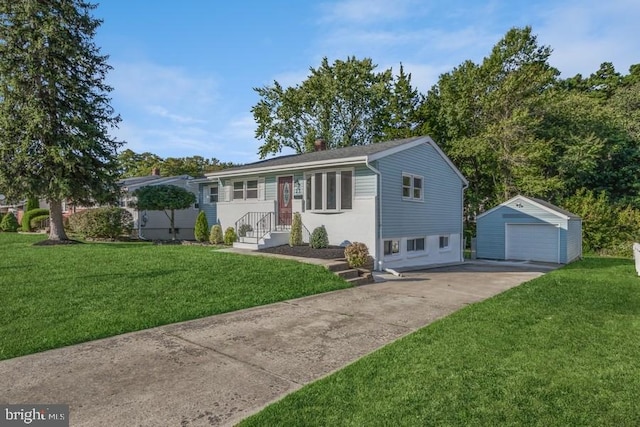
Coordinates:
<point>320,144</point>
<point>155,171</point>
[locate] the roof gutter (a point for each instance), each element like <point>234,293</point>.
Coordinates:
<point>465,185</point>
<point>378,236</point>
<point>299,166</point>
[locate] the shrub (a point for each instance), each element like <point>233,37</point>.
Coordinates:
<point>607,229</point>
<point>201,229</point>
<point>230,236</point>
<point>29,215</point>
<point>295,237</point>
<point>37,220</point>
<point>9,223</point>
<point>215,237</point>
<point>32,203</point>
<point>319,238</point>
<point>357,255</point>
<point>105,223</point>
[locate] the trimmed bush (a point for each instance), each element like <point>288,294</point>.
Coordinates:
<point>32,203</point>
<point>201,229</point>
<point>36,220</point>
<point>319,238</point>
<point>357,255</point>
<point>215,237</point>
<point>295,237</point>
<point>230,236</point>
<point>29,215</point>
<point>104,223</point>
<point>9,223</point>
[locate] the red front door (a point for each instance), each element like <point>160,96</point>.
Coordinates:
<point>285,200</point>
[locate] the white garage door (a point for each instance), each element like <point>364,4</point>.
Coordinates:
<point>532,242</point>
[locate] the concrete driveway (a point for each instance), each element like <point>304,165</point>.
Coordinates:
<point>221,369</point>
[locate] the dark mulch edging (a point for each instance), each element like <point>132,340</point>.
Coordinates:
<point>58,242</point>
<point>305,251</point>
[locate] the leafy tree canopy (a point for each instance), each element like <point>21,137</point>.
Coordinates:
<point>345,103</point>
<point>132,164</point>
<point>167,198</point>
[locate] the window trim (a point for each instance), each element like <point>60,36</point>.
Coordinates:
<point>448,246</point>
<point>412,187</point>
<point>310,199</point>
<point>245,189</point>
<point>391,254</point>
<point>208,194</point>
<point>415,239</point>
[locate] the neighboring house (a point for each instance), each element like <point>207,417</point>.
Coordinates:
<point>155,225</point>
<point>402,198</point>
<point>524,228</point>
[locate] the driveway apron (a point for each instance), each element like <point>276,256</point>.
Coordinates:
<point>221,369</point>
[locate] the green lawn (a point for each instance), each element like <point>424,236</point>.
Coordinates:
<point>52,296</point>
<point>561,350</point>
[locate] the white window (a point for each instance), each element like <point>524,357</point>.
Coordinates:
<point>238,190</point>
<point>444,242</point>
<point>329,191</point>
<point>252,189</point>
<point>243,190</point>
<point>213,193</point>
<point>412,186</point>
<point>414,245</point>
<point>391,247</point>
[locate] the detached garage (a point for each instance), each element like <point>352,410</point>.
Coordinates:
<point>529,229</point>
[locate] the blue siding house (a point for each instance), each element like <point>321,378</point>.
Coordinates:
<point>402,198</point>
<point>525,228</point>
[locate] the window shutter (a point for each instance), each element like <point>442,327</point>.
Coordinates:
<point>261,189</point>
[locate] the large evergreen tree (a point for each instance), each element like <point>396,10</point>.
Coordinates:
<point>55,115</point>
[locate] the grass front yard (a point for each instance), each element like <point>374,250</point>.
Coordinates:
<point>561,350</point>
<point>52,296</point>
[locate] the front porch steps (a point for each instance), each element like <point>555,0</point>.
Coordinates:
<point>274,238</point>
<point>354,276</point>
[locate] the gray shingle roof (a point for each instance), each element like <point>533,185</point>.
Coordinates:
<point>318,156</point>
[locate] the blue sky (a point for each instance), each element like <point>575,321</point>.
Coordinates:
<point>184,71</point>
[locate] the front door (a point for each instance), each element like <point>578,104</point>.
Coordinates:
<point>285,200</point>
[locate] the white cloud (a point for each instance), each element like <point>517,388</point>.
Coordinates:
<point>367,11</point>
<point>584,34</point>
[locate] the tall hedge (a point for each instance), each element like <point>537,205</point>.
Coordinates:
<point>105,223</point>
<point>32,203</point>
<point>29,215</point>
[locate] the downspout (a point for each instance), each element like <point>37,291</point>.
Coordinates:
<point>464,187</point>
<point>378,265</point>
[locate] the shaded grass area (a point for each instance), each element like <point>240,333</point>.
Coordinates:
<point>560,350</point>
<point>52,296</point>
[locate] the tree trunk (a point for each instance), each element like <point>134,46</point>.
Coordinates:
<point>56,226</point>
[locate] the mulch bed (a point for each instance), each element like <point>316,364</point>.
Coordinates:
<point>305,251</point>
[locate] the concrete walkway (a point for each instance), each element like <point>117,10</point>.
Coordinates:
<point>221,369</point>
